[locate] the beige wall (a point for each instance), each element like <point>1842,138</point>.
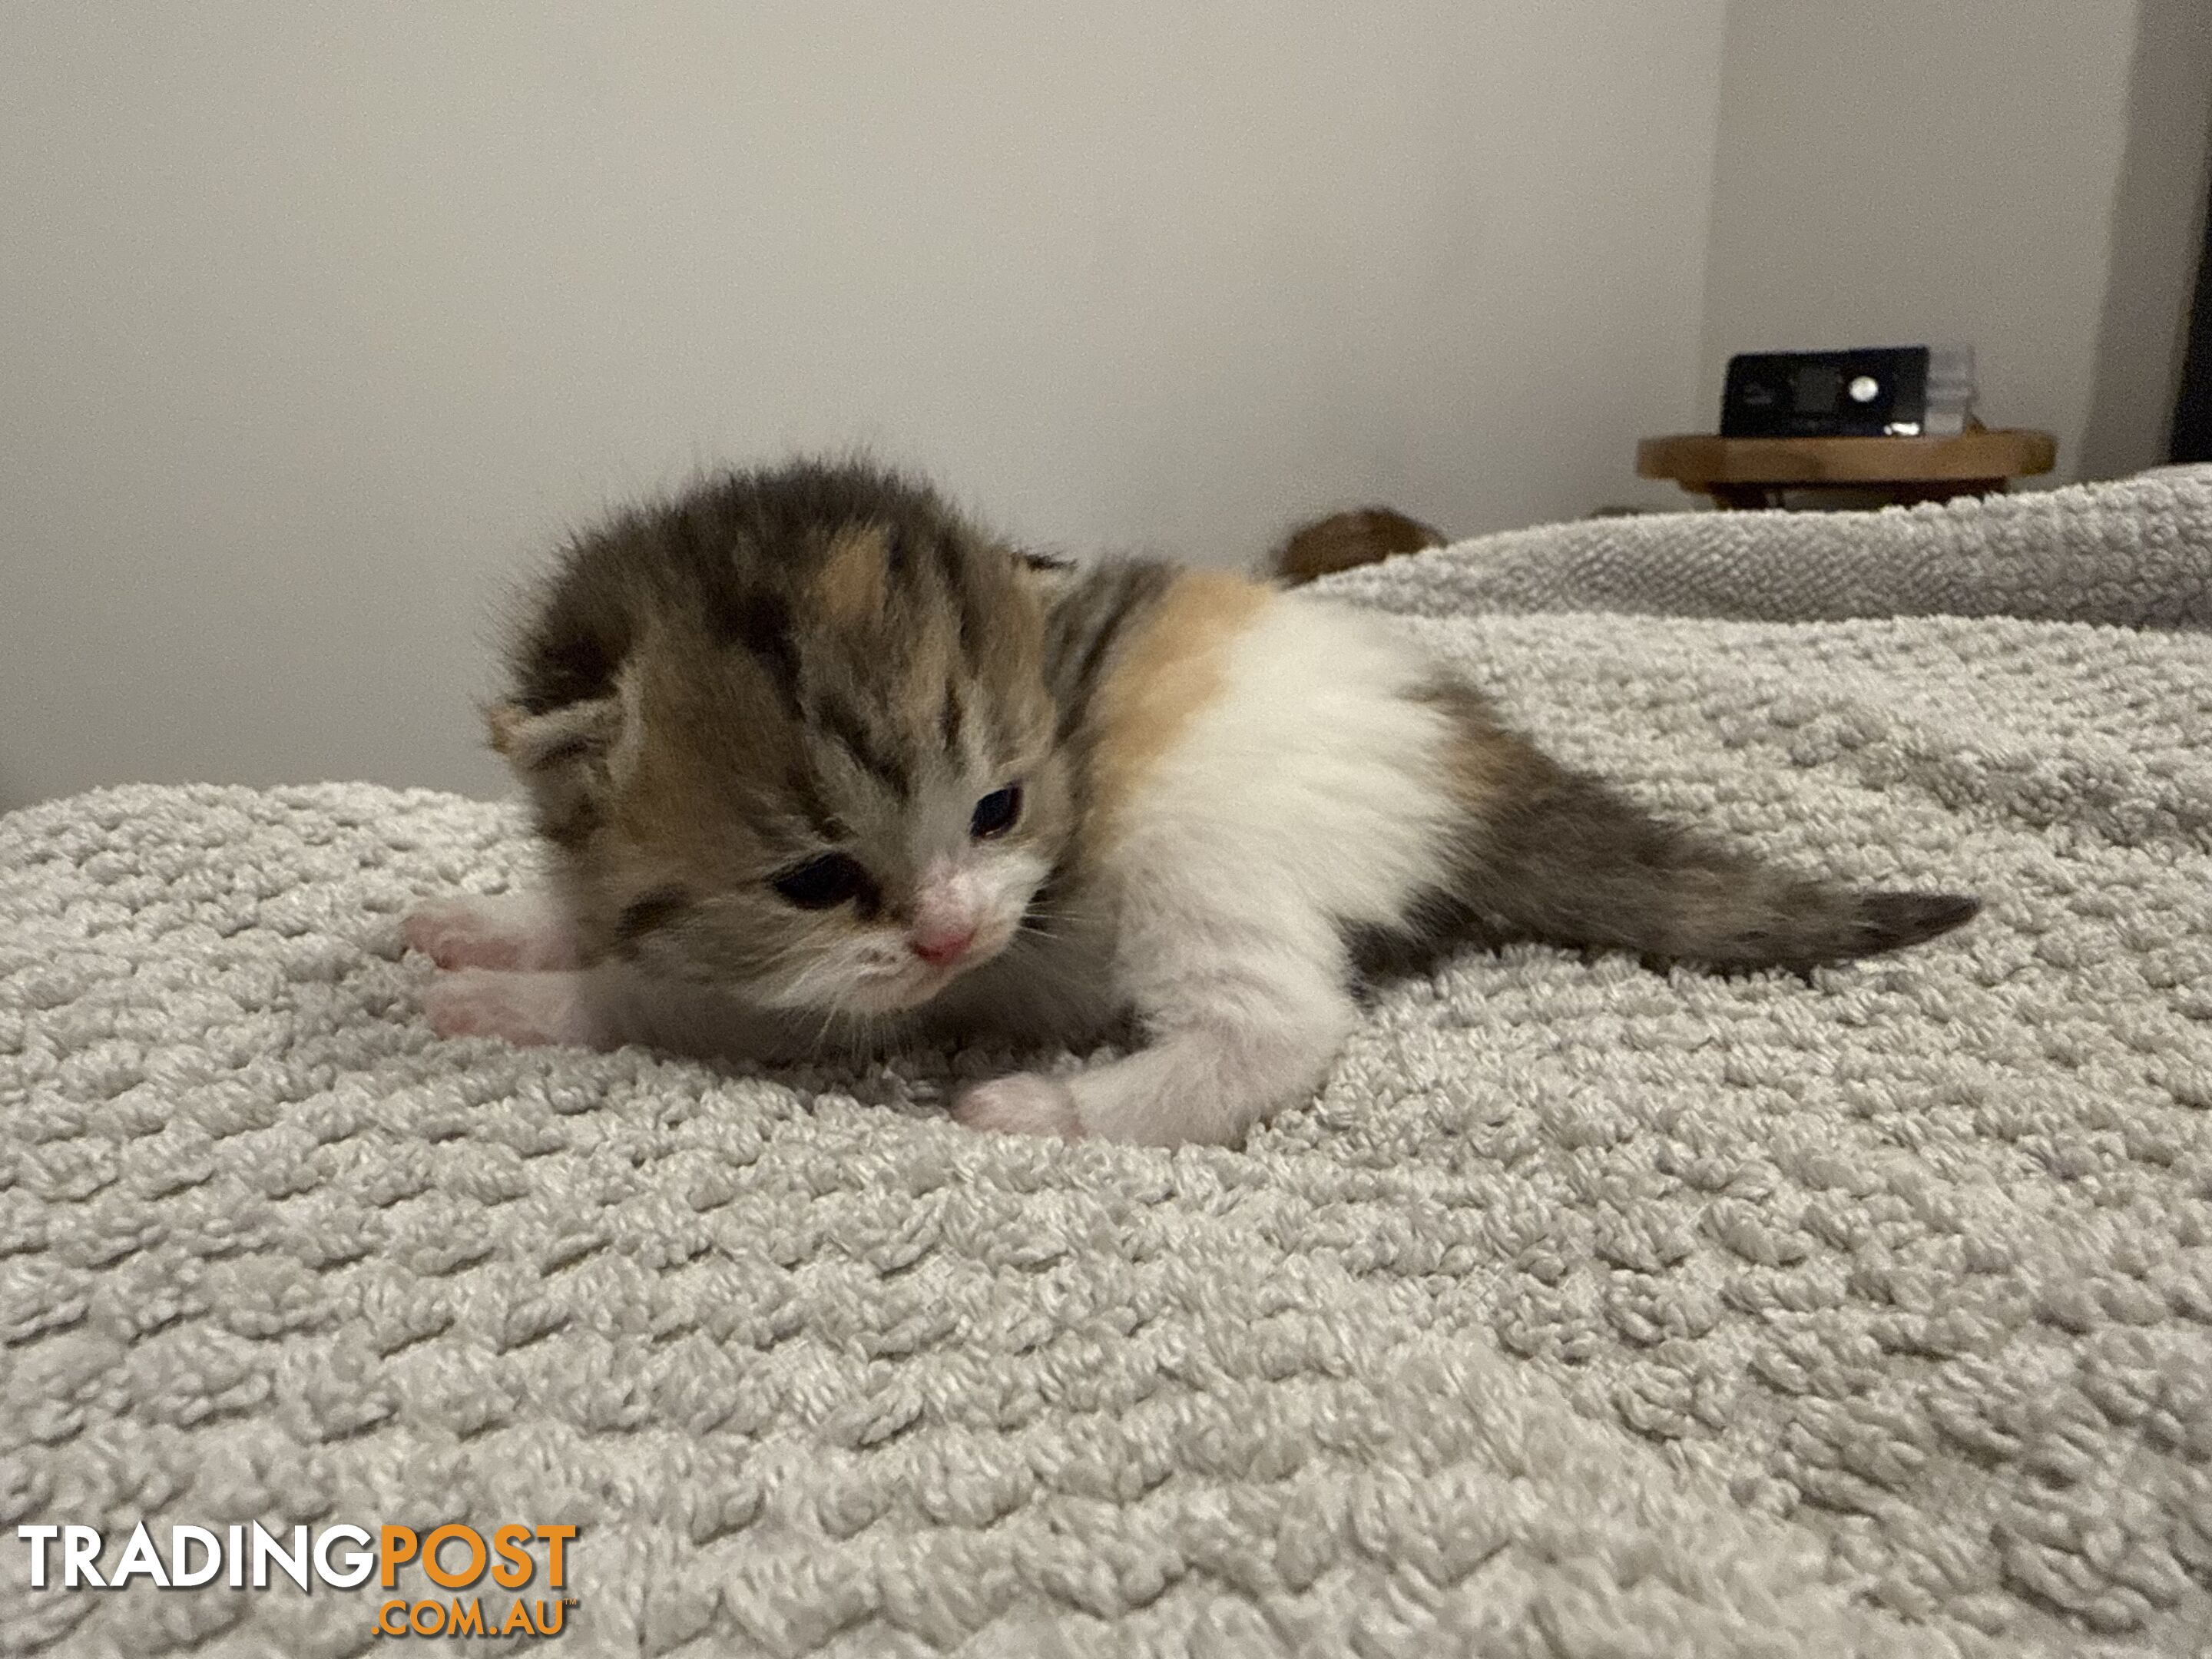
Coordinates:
<point>2157,237</point>
<point>322,319</point>
<point>2026,175</point>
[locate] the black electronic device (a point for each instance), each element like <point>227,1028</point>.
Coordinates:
<point>1877,392</point>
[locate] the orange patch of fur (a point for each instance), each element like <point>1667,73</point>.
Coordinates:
<point>1482,763</point>
<point>853,571</point>
<point>1165,676</point>
<point>1484,766</point>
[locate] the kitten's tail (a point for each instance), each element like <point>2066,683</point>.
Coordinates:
<point>1553,855</point>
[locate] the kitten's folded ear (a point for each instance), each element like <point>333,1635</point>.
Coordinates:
<point>565,759</point>
<point>535,744</point>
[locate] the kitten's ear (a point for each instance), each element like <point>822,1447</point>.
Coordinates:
<point>565,758</point>
<point>575,734</point>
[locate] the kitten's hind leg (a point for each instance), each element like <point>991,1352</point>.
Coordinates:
<point>519,933</point>
<point>1229,1049</point>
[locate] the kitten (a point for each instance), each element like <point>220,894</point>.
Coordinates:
<point>1342,541</point>
<point>824,767</point>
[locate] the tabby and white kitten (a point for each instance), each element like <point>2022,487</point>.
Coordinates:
<point>824,767</point>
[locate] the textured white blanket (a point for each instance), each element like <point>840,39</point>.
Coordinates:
<point>1587,1311</point>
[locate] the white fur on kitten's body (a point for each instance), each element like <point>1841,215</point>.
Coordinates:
<point>1310,794</point>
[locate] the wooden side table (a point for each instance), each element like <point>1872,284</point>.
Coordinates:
<point>1754,472</point>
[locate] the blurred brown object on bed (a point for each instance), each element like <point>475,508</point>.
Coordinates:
<point>1342,540</point>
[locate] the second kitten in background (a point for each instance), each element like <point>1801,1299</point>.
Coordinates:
<point>1343,541</point>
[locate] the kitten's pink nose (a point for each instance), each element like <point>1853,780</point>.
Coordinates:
<point>941,946</point>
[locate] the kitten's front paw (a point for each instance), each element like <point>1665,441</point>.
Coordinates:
<point>458,933</point>
<point>512,931</point>
<point>1026,1103</point>
<point>525,1009</point>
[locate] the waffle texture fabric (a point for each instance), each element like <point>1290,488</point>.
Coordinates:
<point>2129,554</point>
<point>1585,1311</point>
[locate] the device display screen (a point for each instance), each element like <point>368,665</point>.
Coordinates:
<point>1813,389</point>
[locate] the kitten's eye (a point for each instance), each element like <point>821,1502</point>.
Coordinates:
<point>996,812</point>
<point>822,882</point>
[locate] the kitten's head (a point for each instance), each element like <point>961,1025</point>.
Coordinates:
<point>814,760</point>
